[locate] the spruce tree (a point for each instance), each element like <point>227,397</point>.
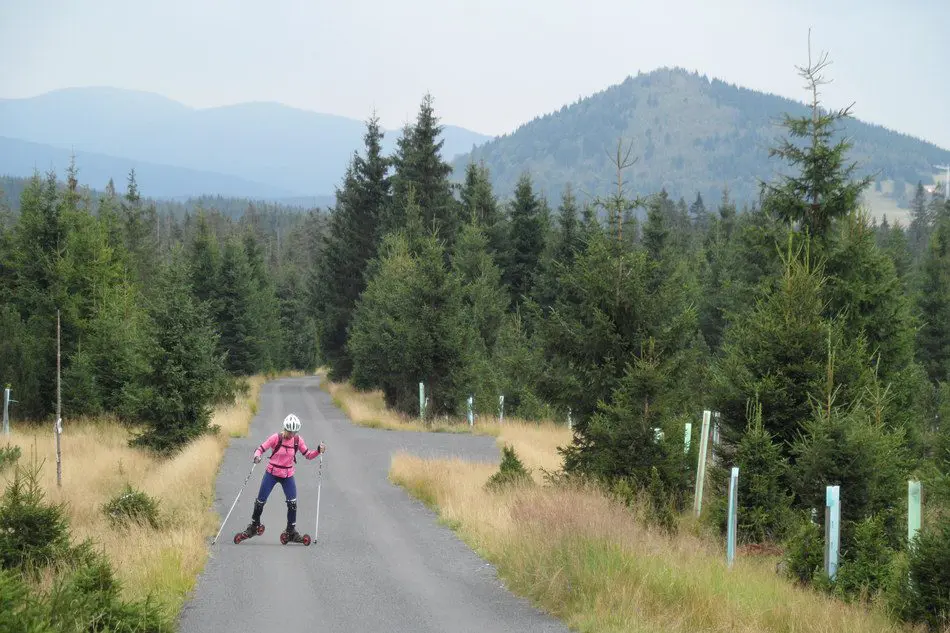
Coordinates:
<point>776,351</point>
<point>478,201</point>
<point>824,189</point>
<point>139,229</point>
<point>408,327</point>
<point>864,290</point>
<point>920,222</point>
<point>765,503</point>
<point>186,374</point>
<point>240,332</point>
<point>526,240</point>
<point>268,345</point>
<point>933,338</point>
<point>204,258</point>
<point>559,252</point>
<point>418,163</point>
<point>484,303</point>
<point>569,236</point>
<point>350,244</point>
<point>620,440</point>
<point>698,214</point>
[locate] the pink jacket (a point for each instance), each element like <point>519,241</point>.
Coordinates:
<point>282,463</point>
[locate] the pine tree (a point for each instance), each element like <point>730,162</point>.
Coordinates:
<point>418,163</point>
<point>204,258</point>
<point>765,503</point>
<point>933,338</point>
<point>824,189</point>
<point>240,332</point>
<point>139,229</point>
<point>920,223</point>
<point>864,290</point>
<point>620,441</point>
<point>186,373</point>
<point>408,328</point>
<point>484,303</point>
<point>776,351</point>
<point>478,201</point>
<point>350,244</point>
<point>569,237</point>
<point>526,239</point>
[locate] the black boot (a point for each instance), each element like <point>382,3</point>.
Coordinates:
<point>292,535</point>
<point>255,528</point>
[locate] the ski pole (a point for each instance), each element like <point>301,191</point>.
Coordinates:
<point>316,528</point>
<point>253,466</point>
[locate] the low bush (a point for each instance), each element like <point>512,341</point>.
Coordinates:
<point>133,506</point>
<point>9,455</point>
<point>510,472</point>
<point>33,533</point>
<point>927,593</point>
<point>47,584</point>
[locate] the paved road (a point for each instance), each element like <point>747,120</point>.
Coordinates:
<point>382,562</point>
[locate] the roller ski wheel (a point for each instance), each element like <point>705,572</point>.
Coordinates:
<point>296,537</point>
<point>248,533</point>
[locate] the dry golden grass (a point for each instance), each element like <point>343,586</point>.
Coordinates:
<point>97,463</point>
<point>368,408</point>
<point>535,443</point>
<point>592,562</point>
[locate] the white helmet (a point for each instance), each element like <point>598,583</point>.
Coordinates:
<point>292,423</point>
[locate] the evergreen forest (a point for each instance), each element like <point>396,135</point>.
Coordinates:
<point>820,338</point>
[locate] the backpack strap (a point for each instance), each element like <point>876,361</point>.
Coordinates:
<point>280,445</point>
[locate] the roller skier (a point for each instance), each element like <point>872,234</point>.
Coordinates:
<point>280,469</point>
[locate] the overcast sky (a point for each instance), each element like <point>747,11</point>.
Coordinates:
<point>490,64</point>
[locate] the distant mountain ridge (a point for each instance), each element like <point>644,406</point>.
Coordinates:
<point>21,158</point>
<point>690,134</point>
<point>293,152</point>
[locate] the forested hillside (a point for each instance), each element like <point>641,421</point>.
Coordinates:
<point>691,135</point>
<point>822,340</point>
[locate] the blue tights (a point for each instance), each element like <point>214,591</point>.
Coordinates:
<point>290,492</point>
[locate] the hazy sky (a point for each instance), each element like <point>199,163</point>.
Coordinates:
<point>491,65</point>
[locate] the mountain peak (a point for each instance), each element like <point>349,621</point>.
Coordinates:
<point>691,134</point>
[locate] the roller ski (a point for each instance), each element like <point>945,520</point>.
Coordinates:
<point>253,529</point>
<point>291,535</point>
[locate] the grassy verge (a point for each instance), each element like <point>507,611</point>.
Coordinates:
<point>97,464</point>
<point>593,562</point>
<point>368,408</point>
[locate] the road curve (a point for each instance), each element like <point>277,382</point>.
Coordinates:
<point>381,563</point>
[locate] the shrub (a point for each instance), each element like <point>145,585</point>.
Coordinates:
<point>866,563</point>
<point>20,611</point>
<point>511,472</point>
<point>132,506</point>
<point>85,599</point>
<point>32,533</point>
<point>83,594</point>
<point>9,455</point>
<point>764,506</point>
<point>804,555</point>
<point>929,563</point>
<point>88,599</point>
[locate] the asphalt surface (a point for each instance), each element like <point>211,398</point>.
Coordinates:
<point>381,561</point>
